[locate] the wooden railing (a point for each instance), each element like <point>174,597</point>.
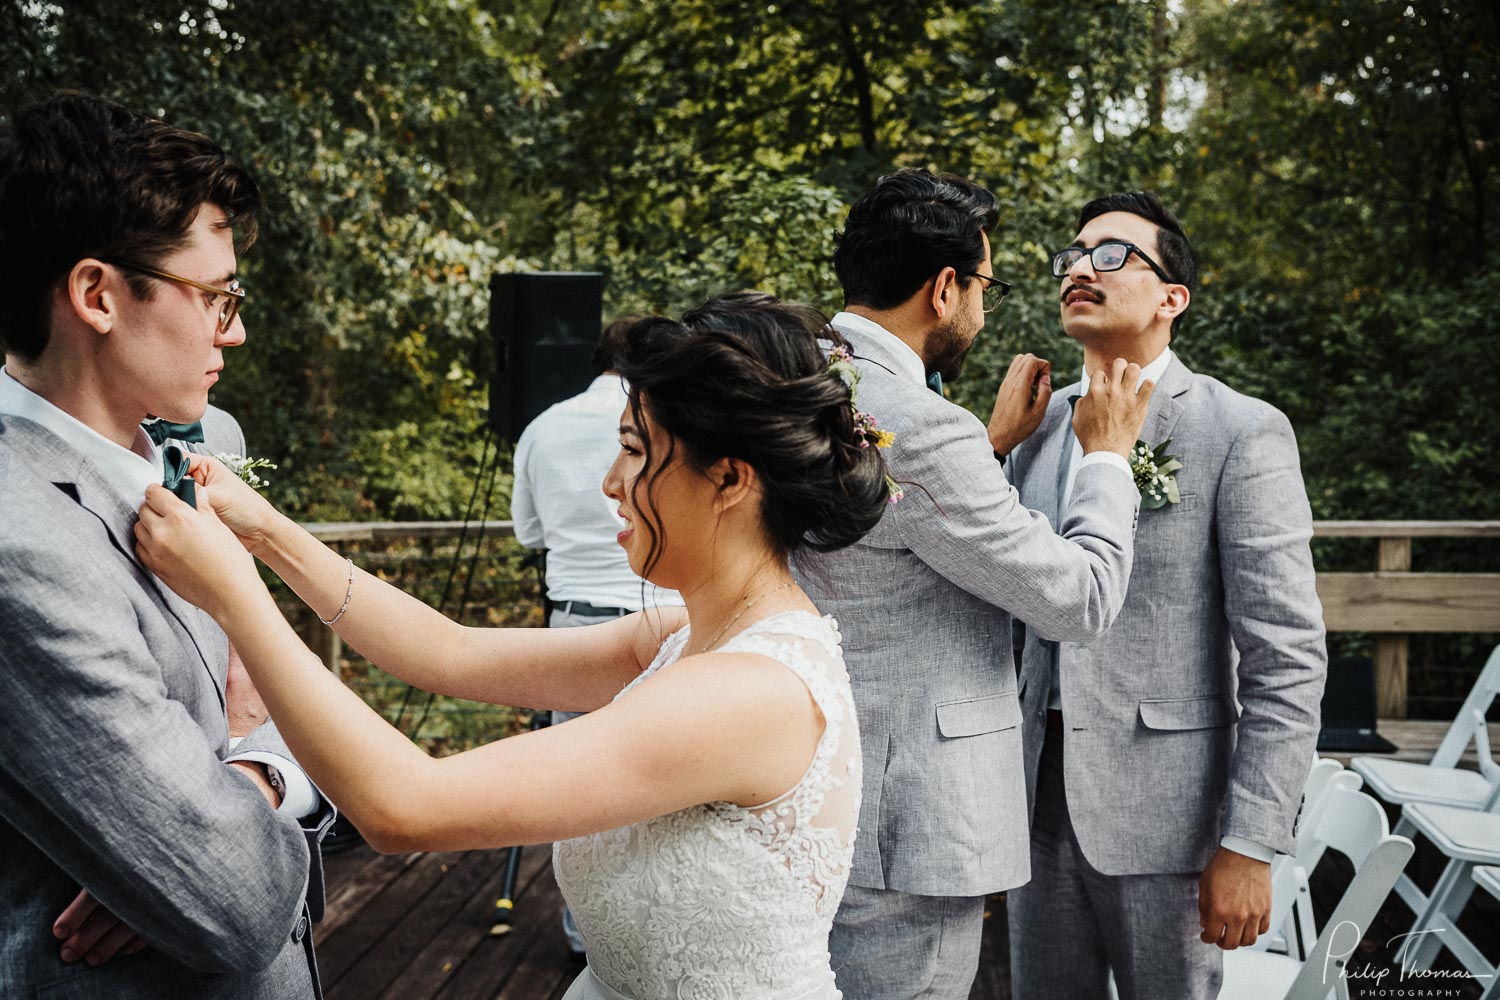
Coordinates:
<point>1392,602</point>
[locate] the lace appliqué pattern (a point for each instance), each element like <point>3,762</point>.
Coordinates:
<point>720,901</point>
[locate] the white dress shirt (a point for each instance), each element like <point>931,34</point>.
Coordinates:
<point>1152,373</point>
<point>130,472</point>
<point>558,502</point>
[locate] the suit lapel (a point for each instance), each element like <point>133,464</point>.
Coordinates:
<point>1046,476</point>
<point>1166,403</point>
<point>77,478</point>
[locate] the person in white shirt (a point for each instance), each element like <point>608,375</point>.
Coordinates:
<point>557,506</point>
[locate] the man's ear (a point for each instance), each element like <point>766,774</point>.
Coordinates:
<point>944,292</point>
<point>1175,302</point>
<point>91,293</point>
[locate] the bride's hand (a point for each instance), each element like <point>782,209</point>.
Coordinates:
<point>193,552</point>
<point>242,510</point>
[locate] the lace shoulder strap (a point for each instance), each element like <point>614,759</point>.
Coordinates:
<point>669,651</point>
<point>808,646</point>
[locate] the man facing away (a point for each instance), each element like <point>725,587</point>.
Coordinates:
<point>925,600</point>
<point>558,505</point>
<point>117,301</point>
<point>1158,801</point>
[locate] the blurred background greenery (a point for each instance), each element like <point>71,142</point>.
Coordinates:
<point>1335,161</point>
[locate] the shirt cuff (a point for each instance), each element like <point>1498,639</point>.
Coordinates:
<point>300,798</point>
<point>1249,848</point>
<point>1107,458</point>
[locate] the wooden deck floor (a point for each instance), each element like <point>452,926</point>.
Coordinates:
<point>416,926</point>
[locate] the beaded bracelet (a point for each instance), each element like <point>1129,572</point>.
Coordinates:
<point>347,594</point>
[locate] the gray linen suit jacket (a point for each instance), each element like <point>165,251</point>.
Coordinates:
<point>1195,716</point>
<point>111,772</point>
<point>924,603</point>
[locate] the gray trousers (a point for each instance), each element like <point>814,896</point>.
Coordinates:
<point>889,945</point>
<point>565,619</point>
<point>1071,925</point>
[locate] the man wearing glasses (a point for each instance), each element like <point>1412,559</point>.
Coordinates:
<point>1166,757</point>
<point>925,600</point>
<point>143,857</point>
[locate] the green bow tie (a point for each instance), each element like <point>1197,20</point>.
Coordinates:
<point>935,382</point>
<point>174,464</point>
<point>159,431</point>
<point>174,461</point>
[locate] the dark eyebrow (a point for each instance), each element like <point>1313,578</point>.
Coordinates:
<point>230,277</point>
<point>628,429</point>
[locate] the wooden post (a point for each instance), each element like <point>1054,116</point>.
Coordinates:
<point>329,647</point>
<point>326,642</point>
<point>1391,651</point>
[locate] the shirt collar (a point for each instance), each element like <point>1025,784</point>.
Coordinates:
<point>1151,373</point>
<point>609,382</point>
<point>122,468</point>
<point>908,360</point>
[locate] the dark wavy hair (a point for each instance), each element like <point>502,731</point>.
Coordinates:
<point>82,177</point>
<point>744,376</point>
<point>911,226</point>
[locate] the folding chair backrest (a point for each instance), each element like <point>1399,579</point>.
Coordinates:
<point>1312,836</point>
<point>1461,733</point>
<point>1353,824</point>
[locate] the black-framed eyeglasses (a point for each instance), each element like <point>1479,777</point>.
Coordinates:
<point>995,291</point>
<point>234,295</point>
<point>1105,257</point>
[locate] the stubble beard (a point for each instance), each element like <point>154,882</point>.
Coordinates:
<point>947,348</point>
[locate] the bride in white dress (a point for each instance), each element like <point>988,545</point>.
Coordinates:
<point>705,808</point>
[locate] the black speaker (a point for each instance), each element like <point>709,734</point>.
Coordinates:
<point>545,326</point>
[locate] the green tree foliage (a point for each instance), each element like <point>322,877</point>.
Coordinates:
<point>1335,162</point>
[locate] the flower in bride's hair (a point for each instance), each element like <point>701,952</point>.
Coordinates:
<point>245,466</point>
<point>841,363</point>
<point>866,431</point>
<point>893,490</point>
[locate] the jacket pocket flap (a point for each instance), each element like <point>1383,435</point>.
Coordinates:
<point>978,715</point>
<point>1188,713</point>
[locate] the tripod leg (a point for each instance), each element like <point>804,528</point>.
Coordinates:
<point>505,905</point>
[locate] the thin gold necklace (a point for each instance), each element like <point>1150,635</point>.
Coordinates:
<point>753,601</point>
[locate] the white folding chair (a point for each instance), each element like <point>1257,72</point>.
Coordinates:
<point>1441,780</point>
<point>1468,838</point>
<point>1353,824</point>
<point>1293,929</point>
<point>1487,877</point>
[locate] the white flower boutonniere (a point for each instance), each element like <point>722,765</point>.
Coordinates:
<point>1155,474</point>
<point>244,467</point>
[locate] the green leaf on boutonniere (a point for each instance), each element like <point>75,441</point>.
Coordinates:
<point>1155,474</point>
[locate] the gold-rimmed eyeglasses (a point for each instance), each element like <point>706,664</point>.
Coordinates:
<point>234,295</point>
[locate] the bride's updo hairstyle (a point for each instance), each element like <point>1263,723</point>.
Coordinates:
<point>743,376</point>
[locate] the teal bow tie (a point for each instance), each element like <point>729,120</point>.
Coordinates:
<point>159,431</point>
<point>174,465</point>
<point>174,461</point>
<point>935,382</point>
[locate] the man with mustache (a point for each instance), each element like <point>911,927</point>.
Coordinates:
<point>1166,757</point>
<point>925,599</point>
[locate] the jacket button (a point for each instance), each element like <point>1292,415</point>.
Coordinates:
<point>300,931</point>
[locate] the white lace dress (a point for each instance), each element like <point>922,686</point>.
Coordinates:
<point>722,902</point>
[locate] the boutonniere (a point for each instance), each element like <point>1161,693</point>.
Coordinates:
<point>1155,474</point>
<point>244,466</point>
